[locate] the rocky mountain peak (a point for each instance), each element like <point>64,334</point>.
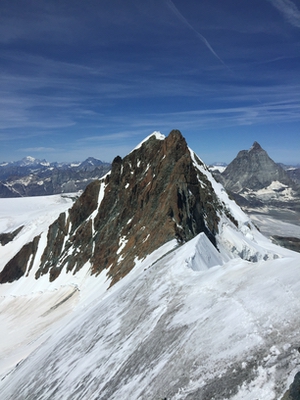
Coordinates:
<point>91,161</point>
<point>152,196</point>
<point>256,147</point>
<point>253,169</point>
<point>31,161</point>
<point>157,193</point>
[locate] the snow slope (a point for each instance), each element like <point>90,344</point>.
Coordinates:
<point>166,330</point>
<point>35,214</point>
<point>28,308</point>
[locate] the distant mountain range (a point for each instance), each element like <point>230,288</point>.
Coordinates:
<point>34,177</point>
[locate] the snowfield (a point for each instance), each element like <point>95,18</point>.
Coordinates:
<point>188,322</point>
<point>227,330</point>
<point>270,226</point>
<point>276,190</point>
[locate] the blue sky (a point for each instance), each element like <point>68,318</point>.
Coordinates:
<point>94,77</point>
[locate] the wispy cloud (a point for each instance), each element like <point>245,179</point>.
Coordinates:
<point>289,9</point>
<point>212,118</point>
<point>199,35</point>
<point>112,137</point>
<point>36,149</point>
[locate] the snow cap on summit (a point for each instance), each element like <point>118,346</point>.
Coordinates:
<point>156,134</point>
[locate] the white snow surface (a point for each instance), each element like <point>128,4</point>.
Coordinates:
<point>166,330</point>
<point>15,212</point>
<point>188,322</point>
<point>276,190</point>
<point>235,210</point>
<point>156,134</point>
<point>35,214</point>
<point>219,168</point>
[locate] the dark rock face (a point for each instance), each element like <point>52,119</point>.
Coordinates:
<point>294,174</point>
<point>8,237</point>
<point>56,235</point>
<point>78,229</point>
<point>19,264</point>
<point>291,243</point>
<point>153,195</point>
<point>253,169</point>
<point>294,391</point>
<point>6,192</point>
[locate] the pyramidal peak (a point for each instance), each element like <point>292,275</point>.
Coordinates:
<point>159,192</point>
<point>255,147</point>
<point>253,169</point>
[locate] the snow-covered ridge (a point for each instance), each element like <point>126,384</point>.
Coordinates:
<point>156,134</point>
<point>235,210</point>
<point>220,168</point>
<point>182,321</point>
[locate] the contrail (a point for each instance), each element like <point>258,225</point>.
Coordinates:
<point>289,9</point>
<point>201,37</point>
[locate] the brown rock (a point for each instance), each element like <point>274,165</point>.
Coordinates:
<point>153,195</point>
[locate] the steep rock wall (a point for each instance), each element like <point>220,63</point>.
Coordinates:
<point>153,195</point>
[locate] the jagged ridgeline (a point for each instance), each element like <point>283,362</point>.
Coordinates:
<point>156,193</point>
<point>32,177</point>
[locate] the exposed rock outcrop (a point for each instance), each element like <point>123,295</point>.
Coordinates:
<point>294,174</point>
<point>9,236</point>
<point>289,242</point>
<point>21,263</point>
<point>153,195</point>
<point>294,391</point>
